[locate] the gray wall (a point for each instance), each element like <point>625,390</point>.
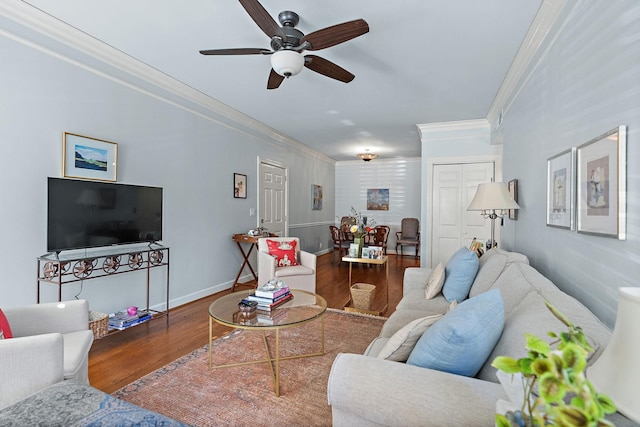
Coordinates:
<point>400,176</point>
<point>587,83</point>
<point>189,149</point>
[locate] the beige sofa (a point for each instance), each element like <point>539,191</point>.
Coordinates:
<point>364,390</point>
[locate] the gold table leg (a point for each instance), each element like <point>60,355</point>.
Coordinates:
<point>274,361</point>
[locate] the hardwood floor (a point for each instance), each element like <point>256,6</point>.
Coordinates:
<point>121,358</point>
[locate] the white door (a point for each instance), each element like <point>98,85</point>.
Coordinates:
<point>454,185</point>
<point>272,198</point>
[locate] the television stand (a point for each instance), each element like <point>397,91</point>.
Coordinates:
<point>63,269</point>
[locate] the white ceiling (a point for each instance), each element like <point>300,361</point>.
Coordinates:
<point>423,61</point>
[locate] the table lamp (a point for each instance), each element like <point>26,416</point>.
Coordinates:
<point>492,199</point>
<point>616,373</point>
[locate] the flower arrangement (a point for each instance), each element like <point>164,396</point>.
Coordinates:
<point>565,395</point>
<point>361,228</point>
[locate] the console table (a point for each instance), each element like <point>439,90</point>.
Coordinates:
<point>378,261</point>
<point>62,269</point>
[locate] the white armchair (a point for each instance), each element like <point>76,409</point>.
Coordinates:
<point>302,276</point>
<point>50,343</point>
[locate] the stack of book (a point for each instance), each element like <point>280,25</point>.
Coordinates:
<point>121,320</point>
<point>269,299</point>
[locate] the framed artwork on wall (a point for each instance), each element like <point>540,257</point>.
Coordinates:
<point>378,199</point>
<point>561,183</point>
<point>316,197</point>
<point>512,186</point>
<point>89,158</point>
<point>602,185</point>
<point>239,186</point>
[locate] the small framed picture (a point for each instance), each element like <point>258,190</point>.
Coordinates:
<point>602,185</point>
<point>366,252</point>
<point>512,186</point>
<point>560,190</point>
<point>375,252</point>
<point>89,158</point>
<point>353,250</point>
<point>239,186</point>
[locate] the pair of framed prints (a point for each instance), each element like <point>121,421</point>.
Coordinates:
<point>586,186</point>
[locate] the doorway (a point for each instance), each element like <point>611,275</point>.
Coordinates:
<point>272,197</point>
<point>453,187</point>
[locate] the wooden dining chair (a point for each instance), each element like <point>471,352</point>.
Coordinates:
<point>339,244</point>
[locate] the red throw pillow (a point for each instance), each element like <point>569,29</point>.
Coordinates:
<point>4,326</point>
<point>284,252</point>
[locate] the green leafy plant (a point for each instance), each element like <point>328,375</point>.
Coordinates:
<point>565,397</point>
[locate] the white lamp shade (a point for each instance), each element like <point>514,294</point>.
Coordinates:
<point>492,195</point>
<point>616,373</point>
<point>287,62</point>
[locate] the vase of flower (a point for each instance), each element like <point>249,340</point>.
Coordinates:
<point>360,242</point>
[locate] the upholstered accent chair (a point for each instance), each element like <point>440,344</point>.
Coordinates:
<point>50,343</point>
<point>301,276</point>
<point>409,235</point>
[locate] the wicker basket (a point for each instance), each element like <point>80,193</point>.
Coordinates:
<point>362,295</point>
<point>99,324</point>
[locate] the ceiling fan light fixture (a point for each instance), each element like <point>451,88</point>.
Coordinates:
<point>287,62</point>
<point>367,156</point>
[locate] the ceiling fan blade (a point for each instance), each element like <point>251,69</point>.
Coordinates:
<point>261,17</point>
<point>327,68</point>
<point>238,51</point>
<point>335,34</point>
<point>275,80</point>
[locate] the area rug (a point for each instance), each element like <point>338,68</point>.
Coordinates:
<point>188,391</point>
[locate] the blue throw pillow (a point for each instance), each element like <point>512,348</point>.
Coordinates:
<point>463,339</point>
<point>459,273</point>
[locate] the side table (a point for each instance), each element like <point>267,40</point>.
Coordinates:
<point>253,242</point>
<point>379,261</point>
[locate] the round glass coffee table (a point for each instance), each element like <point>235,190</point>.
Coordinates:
<point>303,308</point>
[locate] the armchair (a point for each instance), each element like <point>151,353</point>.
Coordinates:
<point>409,235</point>
<point>302,276</point>
<point>50,343</point>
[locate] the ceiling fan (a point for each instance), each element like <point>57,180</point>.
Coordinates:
<point>289,43</point>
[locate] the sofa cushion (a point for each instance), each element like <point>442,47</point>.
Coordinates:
<point>463,339</point>
<point>401,317</point>
<point>283,251</point>
<point>460,271</point>
<point>402,342</point>
<point>491,266</point>
<point>524,291</point>
<point>4,326</point>
<point>435,282</point>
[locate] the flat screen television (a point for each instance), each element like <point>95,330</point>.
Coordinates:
<point>87,214</point>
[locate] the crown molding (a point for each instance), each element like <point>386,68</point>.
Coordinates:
<point>539,34</point>
<point>83,50</point>
<point>454,130</point>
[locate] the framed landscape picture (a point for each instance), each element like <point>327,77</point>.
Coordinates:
<point>378,199</point>
<point>561,190</point>
<point>89,158</point>
<point>602,185</point>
